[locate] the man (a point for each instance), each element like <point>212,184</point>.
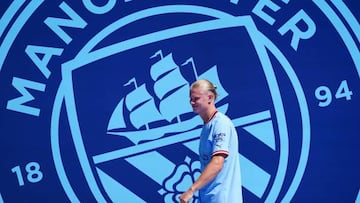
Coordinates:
<point>220,180</point>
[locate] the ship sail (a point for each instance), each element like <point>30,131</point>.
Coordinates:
<point>117,120</point>
<point>172,89</point>
<point>175,104</point>
<point>169,82</point>
<point>142,107</point>
<point>162,66</point>
<point>175,84</point>
<point>213,76</point>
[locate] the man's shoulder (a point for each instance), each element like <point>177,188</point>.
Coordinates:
<point>221,118</point>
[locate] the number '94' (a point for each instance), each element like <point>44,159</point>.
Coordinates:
<point>324,94</point>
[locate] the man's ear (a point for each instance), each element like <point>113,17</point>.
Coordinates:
<point>210,97</point>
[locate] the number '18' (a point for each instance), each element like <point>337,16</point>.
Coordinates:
<point>34,174</point>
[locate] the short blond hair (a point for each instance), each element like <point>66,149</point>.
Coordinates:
<point>206,85</point>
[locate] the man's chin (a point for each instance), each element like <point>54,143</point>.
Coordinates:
<point>195,110</point>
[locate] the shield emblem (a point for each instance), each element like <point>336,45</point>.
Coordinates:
<point>135,127</point>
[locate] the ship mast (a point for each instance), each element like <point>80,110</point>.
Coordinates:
<point>191,60</point>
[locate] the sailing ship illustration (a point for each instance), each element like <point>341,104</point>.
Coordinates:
<point>172,89</point>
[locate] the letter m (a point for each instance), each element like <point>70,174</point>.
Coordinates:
<point>17,104</point>
<point>55,24</point>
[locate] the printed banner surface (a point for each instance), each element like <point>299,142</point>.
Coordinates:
<point>94,103</point>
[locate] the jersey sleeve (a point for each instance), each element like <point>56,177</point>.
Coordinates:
<point>221,138</point>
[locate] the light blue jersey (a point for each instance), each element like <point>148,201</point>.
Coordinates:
<point>219,137</point>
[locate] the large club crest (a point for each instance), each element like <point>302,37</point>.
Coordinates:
<point>150,116</point>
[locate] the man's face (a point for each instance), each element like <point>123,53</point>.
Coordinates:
<point>199,100</point>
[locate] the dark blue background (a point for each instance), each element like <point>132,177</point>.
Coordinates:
<point>332,172</point>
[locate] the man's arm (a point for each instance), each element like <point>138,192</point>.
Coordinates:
<point>210,172</point>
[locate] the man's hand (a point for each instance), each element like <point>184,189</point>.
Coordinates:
<point>210,172</point>
<point>186,196</point>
